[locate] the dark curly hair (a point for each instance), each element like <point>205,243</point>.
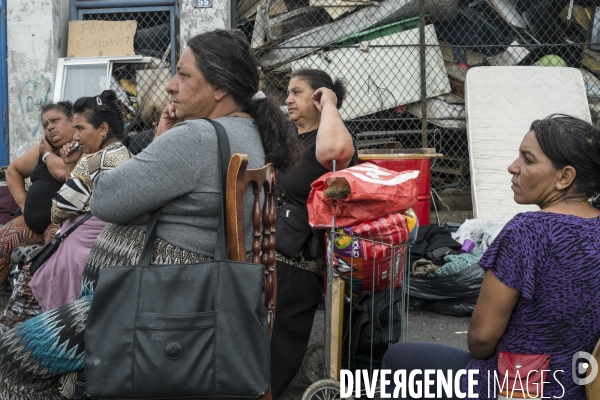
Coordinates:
<point>63,107</point>
<point>103,108</point>
<point>225,59</point>
<point>318,79</point>
<point>567,140</point>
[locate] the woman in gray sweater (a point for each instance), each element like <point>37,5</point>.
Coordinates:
<point>217,77</point>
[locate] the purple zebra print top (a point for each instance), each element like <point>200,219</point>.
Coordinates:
<point>554,260</point>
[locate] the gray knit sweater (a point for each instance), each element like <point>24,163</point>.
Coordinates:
<point>178,172</point>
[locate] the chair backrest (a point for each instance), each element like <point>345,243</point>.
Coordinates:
<point>263,221</point>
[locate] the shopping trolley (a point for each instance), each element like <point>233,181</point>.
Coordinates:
<point>347,284</point>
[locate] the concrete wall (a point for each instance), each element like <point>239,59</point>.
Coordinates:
<point>37,32</point>
<point>37,37</point>
<point>194,21</point>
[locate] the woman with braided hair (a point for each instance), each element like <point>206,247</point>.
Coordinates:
<point>98,124</point>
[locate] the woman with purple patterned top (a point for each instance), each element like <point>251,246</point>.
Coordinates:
<point>541,272</point>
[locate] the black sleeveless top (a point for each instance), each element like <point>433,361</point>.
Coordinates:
<point>296,183</point>
<point>38,202</point>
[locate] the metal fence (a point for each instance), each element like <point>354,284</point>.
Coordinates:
<point>141,85</point>
<point>405,61</point>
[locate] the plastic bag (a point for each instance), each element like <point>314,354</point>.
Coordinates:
<point>482,232</point>
<point>454,294</point>
<point>463,285</point>
<point>455,308</point>
<point>375,192</point>
<point>367,265</point>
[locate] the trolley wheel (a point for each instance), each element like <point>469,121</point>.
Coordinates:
<point>313,363</point>
<point>326,389</point>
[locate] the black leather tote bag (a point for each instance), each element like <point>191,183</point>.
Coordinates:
<point>179,331</point>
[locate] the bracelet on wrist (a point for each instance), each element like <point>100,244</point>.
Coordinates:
<point>46,155</point>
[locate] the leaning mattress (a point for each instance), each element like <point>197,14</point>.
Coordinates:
<point>500,104</point>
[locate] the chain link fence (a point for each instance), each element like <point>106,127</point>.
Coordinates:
<point>141,85</point>
<point>405,61</point>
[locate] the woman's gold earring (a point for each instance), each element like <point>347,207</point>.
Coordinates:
<point>103,138</point>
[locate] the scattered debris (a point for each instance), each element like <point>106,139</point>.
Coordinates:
<point>388,84</point>
<point>513,55</point>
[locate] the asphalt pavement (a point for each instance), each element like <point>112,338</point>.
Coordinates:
<point>423,326</point>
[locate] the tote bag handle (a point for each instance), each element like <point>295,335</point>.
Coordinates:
<point>221,248</point>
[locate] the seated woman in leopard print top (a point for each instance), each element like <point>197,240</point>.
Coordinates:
<point>98,123</point>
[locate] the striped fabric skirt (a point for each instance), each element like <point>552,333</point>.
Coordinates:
<point>34,354</point>
<point>16,233</point>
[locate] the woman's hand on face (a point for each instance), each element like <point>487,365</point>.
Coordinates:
<point>45,147</point>
<point>168,119</point>
<point>322,96</point>
<point>72,158</point>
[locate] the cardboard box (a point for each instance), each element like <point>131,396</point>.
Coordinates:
<point>101,38</point>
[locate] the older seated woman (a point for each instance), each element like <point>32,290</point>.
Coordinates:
<point>98,123</point>
<point>217,77</point>
<point>541,271</point>
<point>47,172</point>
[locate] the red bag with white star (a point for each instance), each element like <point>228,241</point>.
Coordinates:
<point>374,192</point>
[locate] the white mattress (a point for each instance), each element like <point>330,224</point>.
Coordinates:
<point>501,103</point>
<point>383,77</point>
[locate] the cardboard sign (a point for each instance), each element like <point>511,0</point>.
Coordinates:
<point>101,38</point>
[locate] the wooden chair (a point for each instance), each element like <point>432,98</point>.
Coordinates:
<point>263,223</point>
